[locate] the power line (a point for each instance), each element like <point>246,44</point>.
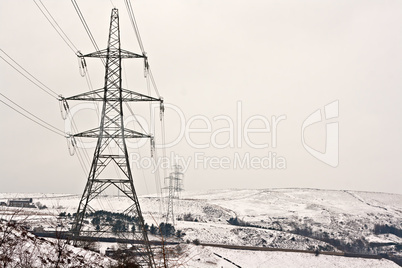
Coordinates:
<point>43,124</point>
<point>36,82</point>
<point>149,78</point>
<point>153,82</point>
<point>136,119</point>
<point>139,39</point>
<point>84,23</point>
<point>49,91</point>
<point>56,26</point>
<point>134,24</point>
<point>68,41</point>
<point>82,162</point>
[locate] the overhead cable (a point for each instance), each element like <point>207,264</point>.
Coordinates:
<point>86,27</point>
<point>56,26</point>
<point>29,76</point>
<point>32,117</point>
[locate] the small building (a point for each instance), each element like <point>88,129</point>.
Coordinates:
<point>20,202</point>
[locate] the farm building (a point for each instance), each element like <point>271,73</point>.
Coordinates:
<point>21,202</point>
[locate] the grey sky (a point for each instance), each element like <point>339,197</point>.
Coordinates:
<point>275,57</point>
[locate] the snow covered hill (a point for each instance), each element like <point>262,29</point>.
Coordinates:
<point>207,258</point>
<point>303,219</point>
<point>19,248</point>
<point>338,214</point>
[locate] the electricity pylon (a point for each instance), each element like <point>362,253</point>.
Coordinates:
<point>174,187</point>
<point>111,147</point>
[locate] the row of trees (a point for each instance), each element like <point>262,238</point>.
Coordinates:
<point>187,217</point>
<point>358,245</point>
<point>238,222</point>
<point>121,222</point>
<point>164,229</point>
<point>386,229</point>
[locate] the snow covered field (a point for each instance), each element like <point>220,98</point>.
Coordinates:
<point>19,248</point>
<point>271,216</point>
<point>258,259</point>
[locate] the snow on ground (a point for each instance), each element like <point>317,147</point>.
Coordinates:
<point>384,238</point>
<point>345,215</point>
<point>19,248</point>
<point>245,236</point>
<point>303,202</point>
<point>204,257</point>
<point>338,213</point>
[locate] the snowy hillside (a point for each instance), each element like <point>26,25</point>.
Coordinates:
<point>206,257</point>
<point>295,219</point>
<point>340,214</point>
<point>19,248</point>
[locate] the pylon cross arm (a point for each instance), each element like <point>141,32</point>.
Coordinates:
<point>124,54</point>
<point>128,134</point>
<point>134,96</point>
<point>99,95</point>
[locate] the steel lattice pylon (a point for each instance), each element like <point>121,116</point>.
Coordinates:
<point>174,187</point>
<point>111,148</point>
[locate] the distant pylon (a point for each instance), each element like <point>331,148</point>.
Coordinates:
<point>174,187</point>
<point>111,148</point>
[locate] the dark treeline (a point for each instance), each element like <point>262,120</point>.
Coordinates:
<point>386,229</point>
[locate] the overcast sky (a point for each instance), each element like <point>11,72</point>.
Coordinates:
<point>271,59</point>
